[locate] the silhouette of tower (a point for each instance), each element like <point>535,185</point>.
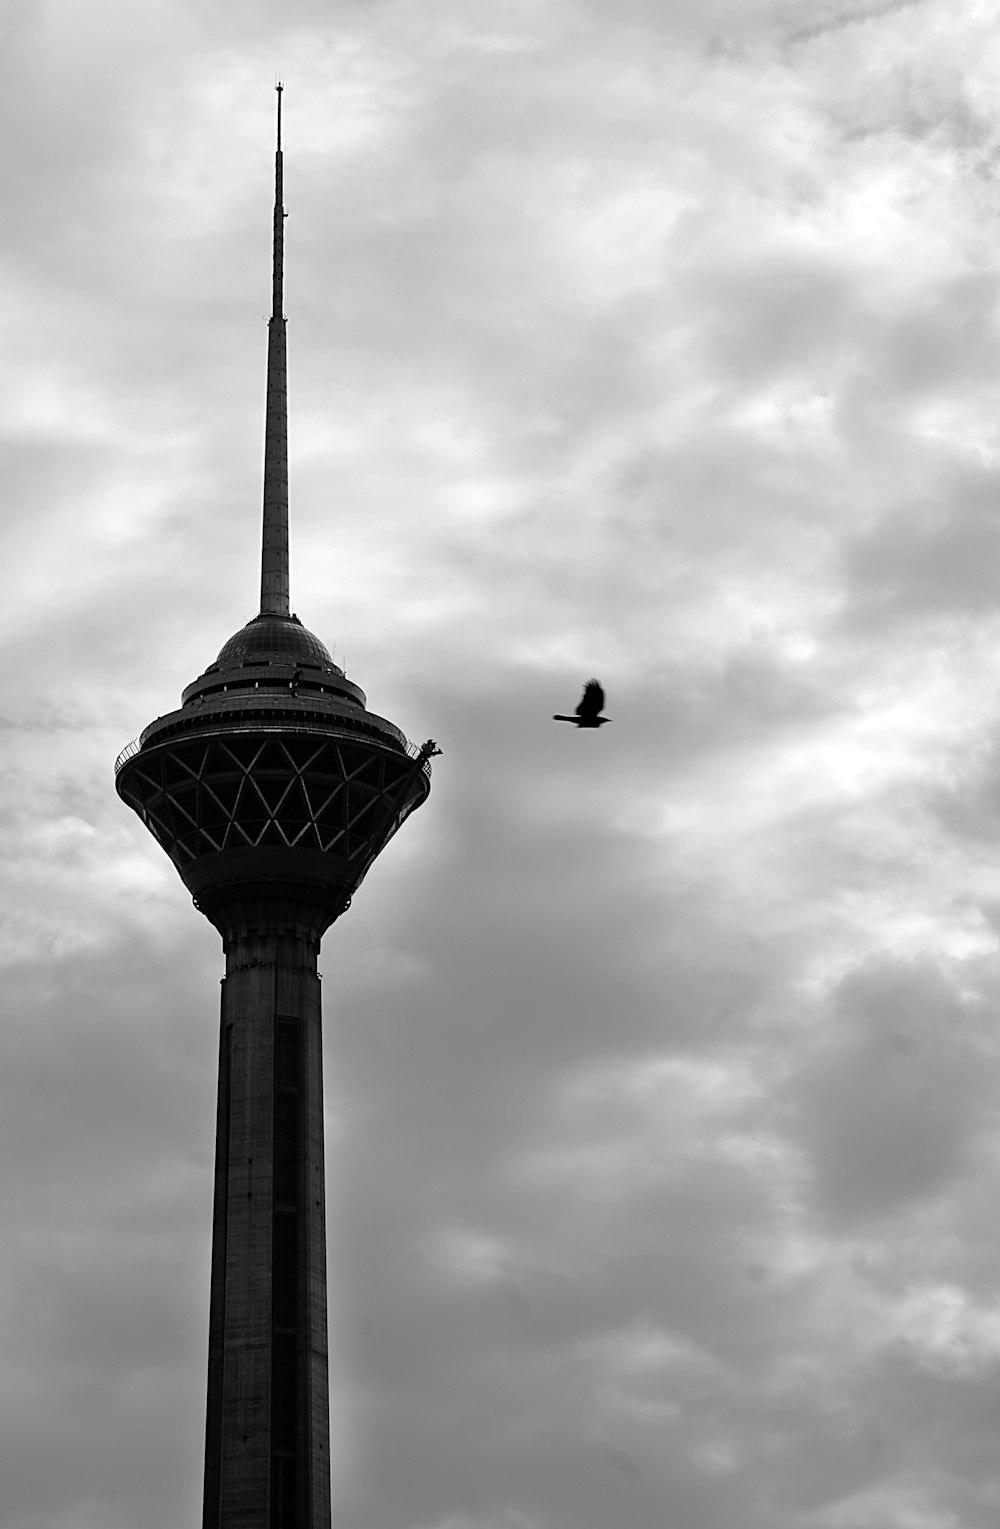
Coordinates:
<point>272,789</point>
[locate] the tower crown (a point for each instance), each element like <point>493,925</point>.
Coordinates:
<point>273,780</point>
<point>273,652</point>
<point>269,636</point>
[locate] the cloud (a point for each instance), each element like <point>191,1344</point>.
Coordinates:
<point>893,1106</point>
<point>655,343</point>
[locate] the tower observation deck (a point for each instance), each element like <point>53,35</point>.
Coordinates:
<point>272,788</point>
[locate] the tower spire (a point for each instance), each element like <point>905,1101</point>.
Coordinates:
<point>274,553</point>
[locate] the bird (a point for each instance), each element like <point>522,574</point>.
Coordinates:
<point>588,713</point>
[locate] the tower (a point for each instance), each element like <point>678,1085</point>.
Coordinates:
<point>272,789</point>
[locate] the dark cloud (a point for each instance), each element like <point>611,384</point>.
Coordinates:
<point>893,1107</point>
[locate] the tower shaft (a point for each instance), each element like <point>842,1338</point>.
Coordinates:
<point>267,1436</point>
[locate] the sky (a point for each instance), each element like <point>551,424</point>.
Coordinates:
<point>649,339</point>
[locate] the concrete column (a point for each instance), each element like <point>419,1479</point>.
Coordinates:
<point>267,1463</point>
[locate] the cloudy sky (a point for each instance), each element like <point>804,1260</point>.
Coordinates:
<point>654,339</point>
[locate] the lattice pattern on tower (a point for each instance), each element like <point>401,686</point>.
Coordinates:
<point>202,796</point>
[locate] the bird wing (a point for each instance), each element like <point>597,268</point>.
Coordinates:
<point>592,700</point>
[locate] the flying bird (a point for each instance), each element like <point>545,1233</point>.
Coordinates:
<point>588,713</point>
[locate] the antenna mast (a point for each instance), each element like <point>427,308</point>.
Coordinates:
<point>274,553</point>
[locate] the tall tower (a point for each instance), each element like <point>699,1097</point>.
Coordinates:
<point>272,789</point>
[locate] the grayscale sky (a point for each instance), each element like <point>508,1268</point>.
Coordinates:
<point>653,339</point>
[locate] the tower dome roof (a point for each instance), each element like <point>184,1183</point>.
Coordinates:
<point>278,638</point>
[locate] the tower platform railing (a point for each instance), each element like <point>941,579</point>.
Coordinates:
<point>413,750</point>
<point>127,752</point>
